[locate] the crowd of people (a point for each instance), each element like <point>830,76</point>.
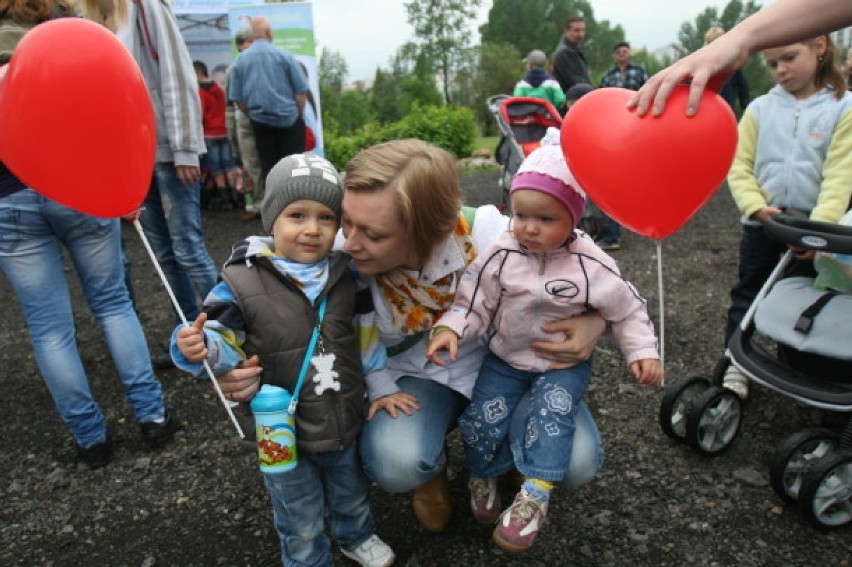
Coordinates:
<point>416,299</point>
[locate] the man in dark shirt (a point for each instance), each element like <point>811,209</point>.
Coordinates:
<point>569,63</point>
<point>624,74</point>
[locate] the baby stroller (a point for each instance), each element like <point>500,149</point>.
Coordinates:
<point>812,365</point>
<point>523,122</point>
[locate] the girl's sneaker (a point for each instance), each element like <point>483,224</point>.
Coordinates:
<point>484,499</point>
<point>520,523</point>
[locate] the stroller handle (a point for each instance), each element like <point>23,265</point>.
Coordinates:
<point>810,234</point>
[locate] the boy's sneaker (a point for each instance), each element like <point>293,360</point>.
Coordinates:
<point>484,499</point>
<point>519,525</point>
<point>736,381</point>
<point>157,434</point>
<point>97,455</point>
<point>372,553</point>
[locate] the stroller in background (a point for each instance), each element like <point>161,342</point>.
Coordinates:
<point>808,329</point>
<point>522,121</point>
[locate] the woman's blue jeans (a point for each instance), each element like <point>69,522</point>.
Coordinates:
<point>171,219</point>
<point>33,231</point>
<point>403,453</point>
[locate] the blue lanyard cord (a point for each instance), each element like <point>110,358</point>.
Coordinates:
<point>308,354</point>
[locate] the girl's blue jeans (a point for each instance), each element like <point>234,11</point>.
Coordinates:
<point>33,231</point>
<point>544,450</point>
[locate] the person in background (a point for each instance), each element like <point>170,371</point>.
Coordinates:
<point>171,211</point>
<point>624,74</point>
<point>736,88</point>
<point>512,286</point>
<point>270,88</point>
<point>577,92</point>
<point>808,114</point>
<point>538,83</point>
<point>780,23</point>
<point>569,62</point>
<point>35,230</point>
<point>274,290</point>
<point>217,161</point>
<point>241,134</point>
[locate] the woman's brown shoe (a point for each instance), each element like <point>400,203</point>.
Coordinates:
<point>431,503</point>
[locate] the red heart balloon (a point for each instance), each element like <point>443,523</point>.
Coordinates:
<point>76,121</point>
<point>651,174</point>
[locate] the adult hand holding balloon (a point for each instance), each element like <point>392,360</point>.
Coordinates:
<point>651,174</point>
<point>76,121</point>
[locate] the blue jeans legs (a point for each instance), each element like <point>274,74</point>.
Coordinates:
<point>172,222</point>
<point>32,232</point>
<point>544,448</point>
<point>323,484</point>
<point>403,453</point>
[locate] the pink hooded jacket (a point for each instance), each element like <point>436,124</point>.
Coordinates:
<point>508,292</point>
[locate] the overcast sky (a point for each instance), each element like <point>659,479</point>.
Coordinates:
<point>368,32</point>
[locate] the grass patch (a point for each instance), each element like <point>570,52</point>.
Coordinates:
<point>487,142</point>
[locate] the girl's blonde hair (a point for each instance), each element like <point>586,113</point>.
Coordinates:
<point>109,13</point>
<point>424,180</point>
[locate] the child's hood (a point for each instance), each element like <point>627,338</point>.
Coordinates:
<point>252,247</point>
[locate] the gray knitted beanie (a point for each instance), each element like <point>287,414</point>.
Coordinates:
<point>297,177</point>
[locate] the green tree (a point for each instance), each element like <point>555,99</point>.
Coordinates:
<point>332,76</point>
<point>409,82</point>
<point>538,24</point>
<point>441,27</point>
<point>691,38</point>
<point>354,112</point>
<point>492,68</point>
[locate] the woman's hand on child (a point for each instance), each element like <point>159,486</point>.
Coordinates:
<point>443,340</point>
<point>406,403</point>
<point>190,340</point>
<point>648,371</point>
<point>243,382</point>
<point>581,335</point>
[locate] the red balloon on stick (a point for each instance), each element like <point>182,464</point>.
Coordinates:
<point>651,174</point>
<point>76,121</point>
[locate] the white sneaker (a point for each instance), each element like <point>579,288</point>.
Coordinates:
<point>736,381</point>
<point>372,553</point>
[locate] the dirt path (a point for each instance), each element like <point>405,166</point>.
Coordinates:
<point>200,500</point>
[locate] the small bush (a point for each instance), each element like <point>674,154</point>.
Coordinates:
<point>452,128</point>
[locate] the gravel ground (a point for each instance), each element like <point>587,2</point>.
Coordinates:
<point>200,501</point>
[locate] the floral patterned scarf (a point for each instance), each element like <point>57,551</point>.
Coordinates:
<point>415,305</point>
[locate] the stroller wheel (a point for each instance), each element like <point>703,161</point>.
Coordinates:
<point>719,369</point>
<point>675,404</point>
<point>794,457</point>
<point>713,420</point>
<point>826,494</point>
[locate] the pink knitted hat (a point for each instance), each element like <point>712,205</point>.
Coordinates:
<point>545,170</point>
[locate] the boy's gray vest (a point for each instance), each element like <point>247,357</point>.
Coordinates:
<point>279,321</point>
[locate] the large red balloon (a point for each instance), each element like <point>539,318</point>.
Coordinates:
<point>76,121</point>
<point>651,174</point>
